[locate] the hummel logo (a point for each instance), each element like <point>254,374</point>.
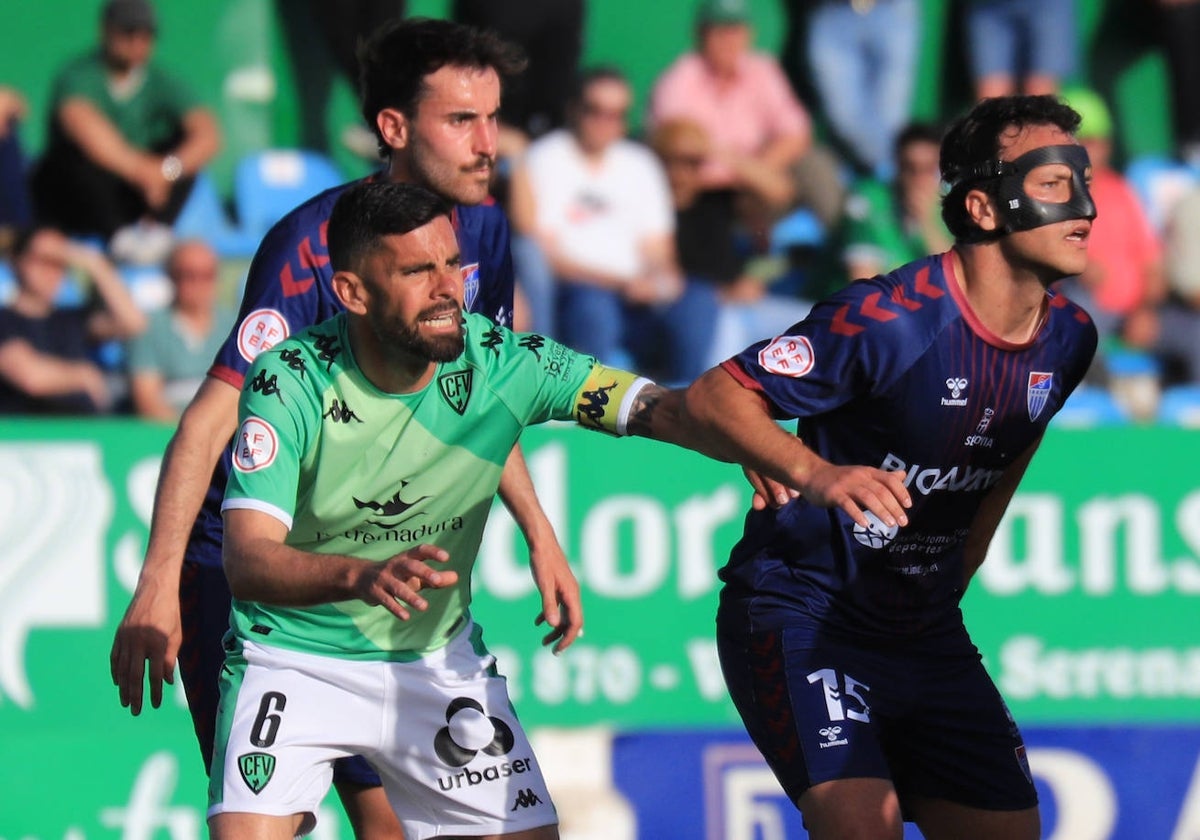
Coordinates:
<point>526,799</point>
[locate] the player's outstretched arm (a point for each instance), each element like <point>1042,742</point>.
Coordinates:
<point>260,566</point>
<point>562,608</point>
<point>991,511</point>
<point>724,420</point>
<point>148,638</point>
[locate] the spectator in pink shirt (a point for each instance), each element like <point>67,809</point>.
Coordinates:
<point>745,103</point>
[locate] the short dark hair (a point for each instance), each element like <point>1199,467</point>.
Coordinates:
<point>917,132</point>
<point>368,211</point>
<point>393,63</point>
<point>975,139</point>
<point>590,76</point>
<point>22,240</point>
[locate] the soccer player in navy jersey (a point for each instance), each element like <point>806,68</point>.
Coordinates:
<point>431,91</point>
<point>921,396</point>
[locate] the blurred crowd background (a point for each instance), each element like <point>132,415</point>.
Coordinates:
<point>682,177</point>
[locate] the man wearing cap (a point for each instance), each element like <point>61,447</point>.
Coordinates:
<point>125,138</point>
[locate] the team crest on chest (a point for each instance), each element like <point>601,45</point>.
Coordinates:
<point>470,278</point>
<point>1038,392</point>
<point>456,389</point>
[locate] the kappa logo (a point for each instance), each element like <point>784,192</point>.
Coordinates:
<point>592,406</point>
<point>526,799</point>
<point>256,769</point>
<point>456,389</point>
<point>956,385</point>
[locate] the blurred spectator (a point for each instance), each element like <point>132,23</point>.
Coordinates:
<point>1124,270</point>
<point>889,224</point>
<point>14,191</point>
<point>334,28</point>
<point>551,33</point>
<point>706,241</point>
<point>124,142</point>
<point>603,218</point>
<point>45,349</point>
<point>169,360</point>
<point>1172,331</point>
<point>862,60</point>
<point>1180,27</point>
<point>761,134</point>
<point>1020,46</point>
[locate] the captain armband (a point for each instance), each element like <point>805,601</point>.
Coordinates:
<point>607,398</point>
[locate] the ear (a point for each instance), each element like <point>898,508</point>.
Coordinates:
<point>351,291</point>
<point>982,210</point>
<point>393,127</point>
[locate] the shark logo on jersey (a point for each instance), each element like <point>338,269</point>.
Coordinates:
<point>1038,392</point>
<point>456,389</point>
<point>956,386</point>
<point>470,278</point>
<point>392,507</point>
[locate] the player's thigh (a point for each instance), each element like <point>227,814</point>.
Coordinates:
<point>285,717</point>
<point>813,711</point>
<point>454,757</point>
<point>239,826</point>
<point>848,809</point>
<point>371,816</point>
<point>939,819</point>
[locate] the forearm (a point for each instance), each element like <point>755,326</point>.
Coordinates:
<point>271,572</point>
<point>518,494</point>
<point>100,140</point>
<point>121,317</point>
<point>42,375</point>
<point>201,141</point>
<point>204,431</point>
<point>726,421</point>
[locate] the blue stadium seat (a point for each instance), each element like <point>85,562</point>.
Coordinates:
<point>799,229</point>
<point>1159,182</point>
<point>1180,406</point>
<point>1089,407</point>
<point>268,184</point>
<point>204,217</point>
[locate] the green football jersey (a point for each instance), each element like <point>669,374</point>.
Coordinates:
<point>356,471</point>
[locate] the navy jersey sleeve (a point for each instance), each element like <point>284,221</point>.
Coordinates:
<point>287,289</point>
<point>852,344</point>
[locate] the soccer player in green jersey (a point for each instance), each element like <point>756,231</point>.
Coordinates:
<point>369,451</point>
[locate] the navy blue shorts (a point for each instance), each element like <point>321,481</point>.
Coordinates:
<point>204,601</point>
<point>932,723</point>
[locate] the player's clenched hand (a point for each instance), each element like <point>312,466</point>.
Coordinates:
<point>148,633</point>
<point>396,581</point>
<point>562,609</point>
<point>854,489</point>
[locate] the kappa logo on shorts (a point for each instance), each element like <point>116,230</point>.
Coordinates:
<point>256,769</point>
<point>526,799</point>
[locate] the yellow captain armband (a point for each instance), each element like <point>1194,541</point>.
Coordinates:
<point>606,398</point>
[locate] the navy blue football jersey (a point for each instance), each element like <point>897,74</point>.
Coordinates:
<point>895,372</point>
<point>289,287</point>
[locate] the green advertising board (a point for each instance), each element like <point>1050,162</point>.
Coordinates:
<point>1085,610</point>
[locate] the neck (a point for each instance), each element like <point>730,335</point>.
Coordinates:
<point>30,305</point>
<point>1009,301</point>
<point>391,371</point>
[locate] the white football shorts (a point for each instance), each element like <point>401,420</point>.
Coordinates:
<point>440,731</point>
